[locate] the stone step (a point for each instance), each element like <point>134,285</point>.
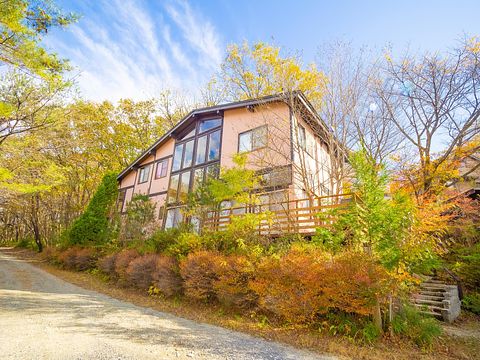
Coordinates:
<point>435,314</point>
<point>433,287</point>
<point>431,293</point>
<point>429,302</point>
<point>423,307</point>
<point>422,296</point>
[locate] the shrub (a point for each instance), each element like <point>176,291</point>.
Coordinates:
<point>93,225</point>
<point>305,283</point>
<point>139,271</point>
<point>291,287</point>
<point>122,261</point>
<point>199,275</point>
<point>415,326</point>
<point>79,259</point>
<point>472,302</point>
<point>50,255</point>
<point>106,264</point>
<point>166,276</point>
<point>185,244</point>
<point>234,273</point>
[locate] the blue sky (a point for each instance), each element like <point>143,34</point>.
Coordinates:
<point>136,48</point>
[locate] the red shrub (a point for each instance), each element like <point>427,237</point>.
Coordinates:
<point>166,277</point>
<point>107,265</point>
<point>122,260</point>
<point>291,287</point>
<point>302,285</point>
<point>231,286</point>
<point>198,273</point>
<point>78,259</point>
<point>139,271</point>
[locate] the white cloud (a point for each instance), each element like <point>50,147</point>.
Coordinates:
<point>199,32</point>
<point>123,50</point>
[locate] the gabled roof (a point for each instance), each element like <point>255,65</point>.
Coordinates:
<point>216,109</point>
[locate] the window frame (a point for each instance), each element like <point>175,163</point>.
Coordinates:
<point>251,132</point>
<point>160,163</point>
<point>140,174</point>
<point>194,166</point>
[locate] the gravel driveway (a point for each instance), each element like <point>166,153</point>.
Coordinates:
<point>44,317</point>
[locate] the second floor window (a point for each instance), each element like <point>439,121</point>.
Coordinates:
<point>302,140</point>
<point>253,139</point>
<point>162,169</point>
<point>144,174</point>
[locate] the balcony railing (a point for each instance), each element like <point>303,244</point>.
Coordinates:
<point>301,216</point>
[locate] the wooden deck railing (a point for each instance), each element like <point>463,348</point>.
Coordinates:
<point>294,216</point>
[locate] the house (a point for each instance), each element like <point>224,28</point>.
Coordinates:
<point>284,139</point>
<point>469,171</point>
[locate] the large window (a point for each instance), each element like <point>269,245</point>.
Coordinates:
<point>253,139</point>
<point>195,159</point>
<point>144,174</point>
<point>162,169</point>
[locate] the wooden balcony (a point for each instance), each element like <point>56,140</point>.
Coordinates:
<point>300,216</point>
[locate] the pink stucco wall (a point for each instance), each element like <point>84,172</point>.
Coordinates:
<point>276,117</point>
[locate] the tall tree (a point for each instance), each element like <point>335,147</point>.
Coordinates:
<point>23,23</point>
<point>432,100</point>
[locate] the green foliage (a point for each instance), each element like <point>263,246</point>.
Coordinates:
<point>140,214</point>
<point>420,328</point>
<point>185,243</point>
<point>371,222</point>
<point>93,226</point>
<point>471,302</point>
<point>22,25</point>
<point>350,326</point>
<point>467,265</point>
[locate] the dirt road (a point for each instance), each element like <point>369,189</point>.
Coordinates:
<point>44,317</point>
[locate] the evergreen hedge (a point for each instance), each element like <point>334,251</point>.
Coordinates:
<point>93,225</point>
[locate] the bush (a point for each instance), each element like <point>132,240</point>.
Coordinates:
<point>421,329</point>
<point>79,259</point>
<point>122,261</point>
<point>185,244</point>
<point>305,283</point>
<point>93,225</point>
<point>471,302</point>
<point>291,287</point>
<point>50,255</point>
<point>106,264</point>
<point>199,275</point>
<point>139,271</point>
<point>166,276</point>
<point>234,273</point>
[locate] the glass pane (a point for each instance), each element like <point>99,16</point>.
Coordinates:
<point>184,186</point>
<point>209,124</point>
<point>198,178</point>
<point>177,157</point>
<point>214,146</point>
<point>201,149</point>
<point>190,134</point>
<point>301,137</point>
<point>174,218</point>
<point>144,174</point>
<point>259,137</point>
<point>173,189</point>
<point>164,168</point>
<point>213,171</point>
<point>245,142</point>
<point>188,157</point>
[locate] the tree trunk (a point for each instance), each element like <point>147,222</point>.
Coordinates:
<point>377,317</point>
<point>35,225</point>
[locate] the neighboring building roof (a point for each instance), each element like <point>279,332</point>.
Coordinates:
<point>217,108</point>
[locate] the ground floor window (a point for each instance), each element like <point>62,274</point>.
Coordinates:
<point>174,218</point>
